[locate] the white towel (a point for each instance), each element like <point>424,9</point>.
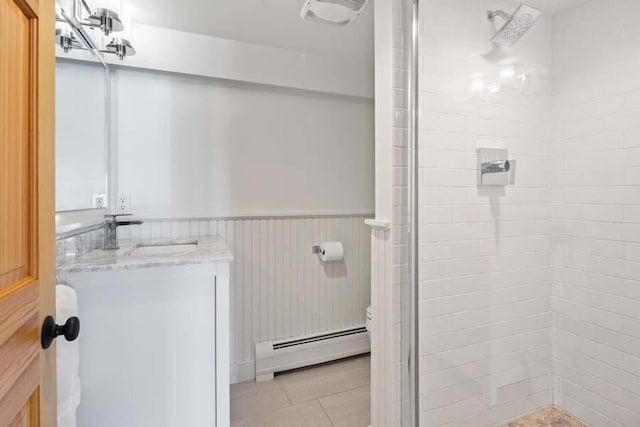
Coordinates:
<point>68,359</point>
<point>68,408</point>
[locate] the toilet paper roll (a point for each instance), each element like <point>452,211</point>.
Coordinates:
<point>331,251</point>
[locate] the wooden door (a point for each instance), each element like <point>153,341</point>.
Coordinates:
<point>27,246</point>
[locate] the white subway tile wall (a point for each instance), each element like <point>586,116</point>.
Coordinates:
<point>596,212</point>
<point>402,23</point>
<point>485,277</point>
<point>280,289</point>
<point>530,294</point>
<point>389,250</point>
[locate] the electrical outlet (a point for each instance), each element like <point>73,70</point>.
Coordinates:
<point>124,203</point>
<point>99,201</point>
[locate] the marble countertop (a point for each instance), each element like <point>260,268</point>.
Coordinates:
<point>210,250</point>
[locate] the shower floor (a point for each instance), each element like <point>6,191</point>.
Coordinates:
<point>547,417</point>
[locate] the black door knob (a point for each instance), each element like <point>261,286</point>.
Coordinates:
<point>70,330</point>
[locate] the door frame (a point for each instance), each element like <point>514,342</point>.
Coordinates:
<point>45,198</point>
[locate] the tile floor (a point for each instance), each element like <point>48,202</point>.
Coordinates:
<point>547,417</point>
<point>332,395</point>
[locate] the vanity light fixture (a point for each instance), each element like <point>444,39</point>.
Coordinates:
<point>66,39</point>
<point>117,46</point>
<point>106,19</point>
<point>120,47</point>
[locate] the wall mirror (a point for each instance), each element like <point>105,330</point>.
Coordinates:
<point>82,120</point>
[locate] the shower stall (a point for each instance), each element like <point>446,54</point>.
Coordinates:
<point>522,219</point>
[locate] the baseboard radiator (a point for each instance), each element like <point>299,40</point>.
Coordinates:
<point>308,350</point>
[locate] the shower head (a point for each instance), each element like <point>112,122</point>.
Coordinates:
<point>516,25</point>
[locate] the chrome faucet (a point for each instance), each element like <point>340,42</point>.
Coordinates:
<point>111,224</point>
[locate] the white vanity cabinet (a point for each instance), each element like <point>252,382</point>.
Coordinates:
<point>154,342</point>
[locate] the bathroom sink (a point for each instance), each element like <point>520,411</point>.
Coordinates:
<point>164,248</point>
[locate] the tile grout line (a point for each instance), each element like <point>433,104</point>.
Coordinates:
<point>268,410</point>
<point>328,395</point>
<point>286,393</point>
<point>351,370</point>
<point>344,391</point>
<point>325,412</point>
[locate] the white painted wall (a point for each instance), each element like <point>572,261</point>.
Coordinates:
<point>200,55</point>
<point>192,146</point>
<point>485,314</point>
<point>270,23</point>
<point>248,62</point>
<point>596,213</point>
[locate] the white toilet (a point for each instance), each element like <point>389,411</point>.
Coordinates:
<point>368,323</point>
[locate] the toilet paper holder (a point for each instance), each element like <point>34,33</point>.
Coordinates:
<point>329,251</point>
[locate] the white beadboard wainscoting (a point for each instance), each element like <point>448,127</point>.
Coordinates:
<point>279,288</point>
